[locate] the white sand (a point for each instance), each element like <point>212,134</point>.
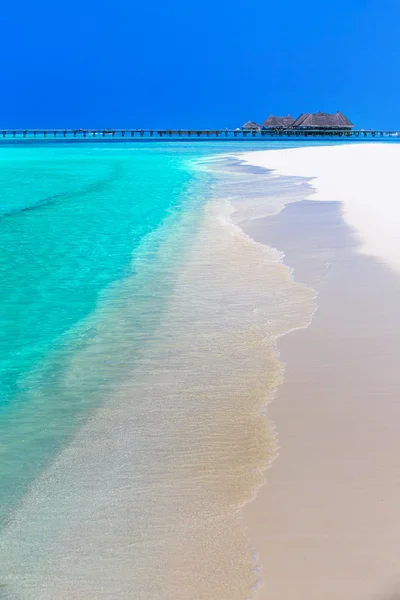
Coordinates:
<point>326,525</point>
<point>365,177</point>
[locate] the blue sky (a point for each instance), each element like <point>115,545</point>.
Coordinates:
<point>208,63</point>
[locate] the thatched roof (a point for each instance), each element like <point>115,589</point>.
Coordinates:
<point>287,121</point>
<point>323,121</point>
<point>251,125</point>
<point>278,122</point>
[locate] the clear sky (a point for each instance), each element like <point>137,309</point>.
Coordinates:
<point>197,63</point>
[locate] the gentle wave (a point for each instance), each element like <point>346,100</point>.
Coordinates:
<point>146,498</point>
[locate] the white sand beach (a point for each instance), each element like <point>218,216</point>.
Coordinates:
<point>326,524</point>
<point>363,177</point>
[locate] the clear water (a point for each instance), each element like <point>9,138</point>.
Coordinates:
<point>71,219</point>
<point>138,329</point>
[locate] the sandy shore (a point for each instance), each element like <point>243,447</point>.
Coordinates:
<point>326,524</point>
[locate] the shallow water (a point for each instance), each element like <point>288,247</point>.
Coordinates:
<point>139,351</point>
<point>72,217</point>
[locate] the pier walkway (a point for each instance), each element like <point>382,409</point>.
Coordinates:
<point>191,133</point>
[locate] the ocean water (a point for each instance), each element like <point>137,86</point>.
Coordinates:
<point>138,332</point>
<point>71,218</point>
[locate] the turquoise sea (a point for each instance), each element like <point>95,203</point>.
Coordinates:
<point>71,219</point>
<point>134,365</point>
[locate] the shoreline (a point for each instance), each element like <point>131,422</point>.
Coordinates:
<point>147,494</point>
<point>368,174</point>
<point>325,523</point>
<point>151,492</point>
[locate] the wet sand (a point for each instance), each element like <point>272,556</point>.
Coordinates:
<point>326,524</point>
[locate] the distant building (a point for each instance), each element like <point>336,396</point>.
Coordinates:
<point>278,122</point>
<point>251,126</point>
<point>322,120</point>
<point>315,121</point>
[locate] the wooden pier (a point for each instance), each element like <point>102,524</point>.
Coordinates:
<point>190,133</point>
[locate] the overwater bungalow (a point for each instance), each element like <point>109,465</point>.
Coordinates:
<point>251,126</point>
<point>278,122</point>
<point>322,120</point>
<point>312,121</point>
